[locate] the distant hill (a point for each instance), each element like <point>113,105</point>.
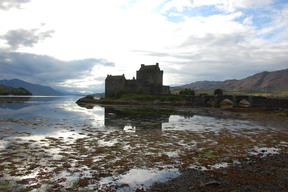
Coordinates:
<point>4,90</point>
<point>98,95</point>
<point>33,88</point>
<point>275,82</point>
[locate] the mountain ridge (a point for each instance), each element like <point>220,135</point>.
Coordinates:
<point>274,82</point>
<point>35,89</point>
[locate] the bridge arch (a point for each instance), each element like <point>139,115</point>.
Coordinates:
<point>242,101</point>
<point>225,102</point>
<point>209,101</point>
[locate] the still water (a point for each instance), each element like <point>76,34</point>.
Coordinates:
<point>53,144</point>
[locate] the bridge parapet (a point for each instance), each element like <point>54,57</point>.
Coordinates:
<point>204,99</point>
<point>259,101</point>
<point>254,101</point>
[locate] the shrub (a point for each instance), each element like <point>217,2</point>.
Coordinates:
<point>218,92</point>
<point>187,92</point>
<point>90,97</point>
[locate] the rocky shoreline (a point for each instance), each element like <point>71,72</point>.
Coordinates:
<point>269,173</point>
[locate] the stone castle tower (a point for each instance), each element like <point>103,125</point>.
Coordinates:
<point>149,79</point>
<point>150,74</point>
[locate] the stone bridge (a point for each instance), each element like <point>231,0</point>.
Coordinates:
<point>253,101</point>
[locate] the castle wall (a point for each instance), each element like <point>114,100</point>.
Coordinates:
<point>114,84</point>
<point>149,80</point>
<point>165,90</point>
<point>135,86</point>
<point>150,77</point>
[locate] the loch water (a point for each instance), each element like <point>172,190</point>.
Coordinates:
<point>51,143</point>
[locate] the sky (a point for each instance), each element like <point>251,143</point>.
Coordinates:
<point>72,45</point>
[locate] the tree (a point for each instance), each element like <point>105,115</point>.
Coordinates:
<point>23,91</point>
<point>5,90</point>
<point>187,92</point>
<point>218,92</point>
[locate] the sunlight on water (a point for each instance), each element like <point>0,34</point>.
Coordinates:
<point>55,143</point>
<point>143,177</point>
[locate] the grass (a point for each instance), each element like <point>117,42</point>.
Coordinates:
<point>4,184</point>
<point>147,98</point>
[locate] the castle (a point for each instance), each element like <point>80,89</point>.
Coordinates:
<point>149,80</point>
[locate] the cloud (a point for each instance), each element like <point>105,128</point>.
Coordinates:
<point>191,39</point>
<point>219,61</point>
<point>224,45</point>
<point>232,5</point>
<point>24,38</point>
<point>178,5</point>
<point>41,69</point>
<point>8,4</point>
<point>213,56</point>
<point>276,30</point>
<point>224,5</point>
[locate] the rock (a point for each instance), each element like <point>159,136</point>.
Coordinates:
<point>210,183</point>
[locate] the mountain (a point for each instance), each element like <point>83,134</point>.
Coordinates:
<point>98,95</point>
<point>266,82</point>
<point>203,85</point>
<point>33,88</point>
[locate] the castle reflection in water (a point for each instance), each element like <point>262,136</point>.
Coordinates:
<point>138,118</point>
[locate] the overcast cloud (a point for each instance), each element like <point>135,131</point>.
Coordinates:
<point>47,70</point>
<point>24,38</point>
<point>193,40</point>
<point>7,4</point>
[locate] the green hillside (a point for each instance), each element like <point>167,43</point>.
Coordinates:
<point>4,90</point>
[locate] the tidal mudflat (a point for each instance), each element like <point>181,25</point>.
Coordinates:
<point>55,145</point>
